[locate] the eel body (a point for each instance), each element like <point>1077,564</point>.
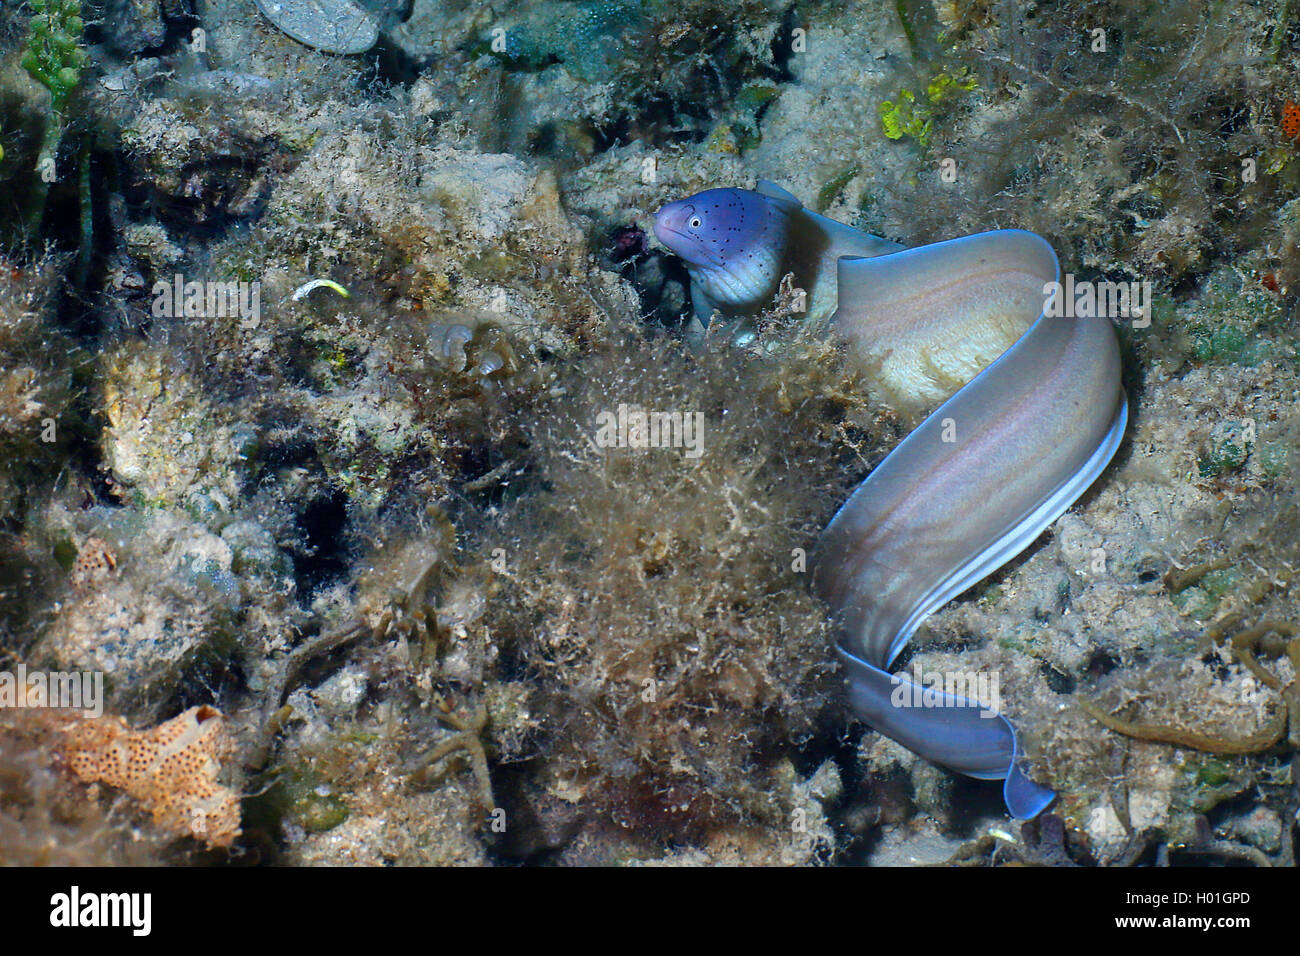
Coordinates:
<point>1032,412</point>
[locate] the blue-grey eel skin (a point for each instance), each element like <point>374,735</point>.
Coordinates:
<point>1032,412</point>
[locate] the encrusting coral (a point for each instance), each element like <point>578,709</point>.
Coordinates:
<point>47,817</point>
<point>170,771</point>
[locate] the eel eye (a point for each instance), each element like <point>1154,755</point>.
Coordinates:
<point>695,222</point>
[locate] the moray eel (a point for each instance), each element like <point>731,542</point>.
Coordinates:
<point>1038,412</point>
<point>737,245</point>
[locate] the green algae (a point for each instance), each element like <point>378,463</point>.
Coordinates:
<point>912,116</point>
<point>1202,599</point>
<point>298,797</point>
<point>1274,458</point>
<point>992,593</point>
<point>318,812</point>
<point>64,552</point>
<point>1228,456</point>
<point>739,131</point>
<point>832,190</point>
<point>1238,322</point>
<point>1208,780</point>
<point>55,57</point>
<point>904,118</point>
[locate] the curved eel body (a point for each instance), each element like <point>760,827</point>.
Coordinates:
<point>1038,413</point>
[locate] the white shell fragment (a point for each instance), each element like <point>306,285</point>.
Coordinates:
<point>304,290</point>
<point>334,26</point>
<point>453,345</point>
<point>491,363</point>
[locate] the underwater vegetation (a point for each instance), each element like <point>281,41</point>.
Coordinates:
<point>391,561</point>
<point>55,58</point>
<point>657,601</point>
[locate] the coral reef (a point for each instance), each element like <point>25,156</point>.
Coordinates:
<point>305,359</point>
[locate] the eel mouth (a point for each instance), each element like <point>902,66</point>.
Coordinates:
<point>699,255</point>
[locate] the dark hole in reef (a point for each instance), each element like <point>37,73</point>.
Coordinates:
<point>303,355</point>
<point>662,285</point>
<point>846,813</point>
<point>654,119</point>
<point>624,244</point>
<point>546,140</point>
<point>61,225</point>
<point>214,194</point>
<point>1242,804</point>
<point>1223,113</point>
<point>1186,288</point>
<point>85,454</point>
<point>391,65</point>
<point>872,800</point>
<point>512,662</point>
<point>211,679</point>
<point>21,131</point>
<point>323,523</point>
<point>1217,665</point>
<point>111,29</point>
<point>1291,38</point>
<point>77,303</point>
<point>540,828</point>
<point>1058,682</point>
<point>814,749</point>
<point>972,801</point>
<point>278,452</point>
<point>782,45</point>
<point>1099,663</point>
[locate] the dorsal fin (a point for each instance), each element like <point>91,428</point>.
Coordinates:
<point>774,192</point>
<point>846,240</point>
<point>882,287</point>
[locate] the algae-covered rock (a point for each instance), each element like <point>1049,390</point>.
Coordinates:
<point>166,444</point>
<point>164,600</point>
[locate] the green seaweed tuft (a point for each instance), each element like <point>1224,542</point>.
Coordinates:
<point>55,57</point>
<point>913,117</point>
